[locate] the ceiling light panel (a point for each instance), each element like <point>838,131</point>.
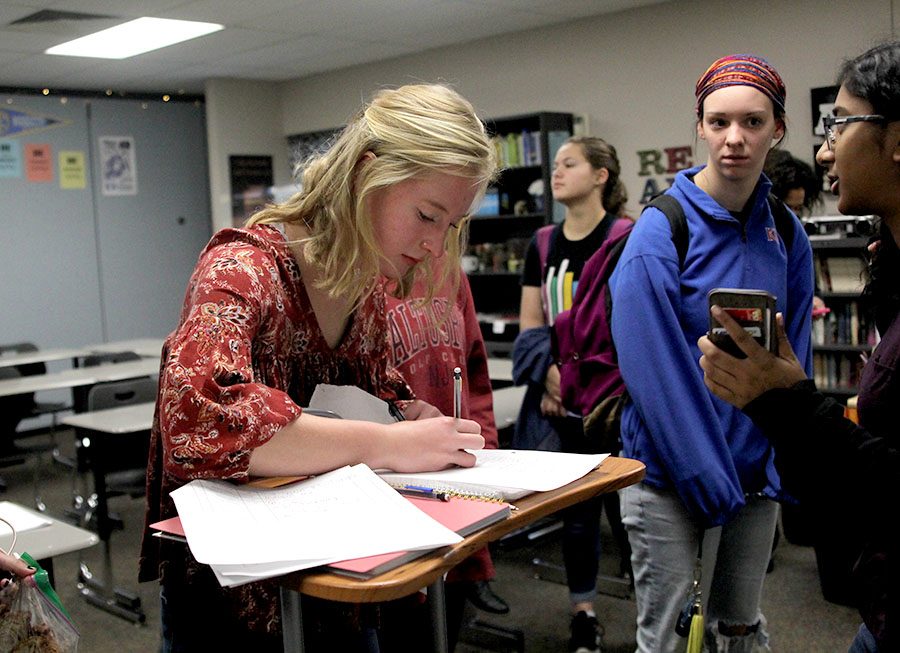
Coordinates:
<point>133,38</point>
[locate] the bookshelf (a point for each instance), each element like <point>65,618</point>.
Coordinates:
<point>519,202</point>
<point>843,337</point>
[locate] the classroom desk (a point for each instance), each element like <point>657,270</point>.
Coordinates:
<point>613,474</point>
<point>79,376</point>
<point>507,404</point>
<point>500,369</point>
<point>144,347</point>
<point>104,427</point>
<point>40,356</point>
<point>126,419</point>
<point>54,539</point>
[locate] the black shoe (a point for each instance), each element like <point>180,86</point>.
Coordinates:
<point>482,597</point>
<point>585,634</point>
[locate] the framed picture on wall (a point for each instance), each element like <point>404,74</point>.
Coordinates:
<point>251,177</point>
<point>824,185</point>
<point>302,146</point>
<point>822,100</point>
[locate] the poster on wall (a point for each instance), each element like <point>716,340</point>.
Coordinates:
<point>822,100</point>
<point>118,166</point>
<point>10,159</point>
<point>822,103</point>
<point>38,162</point>
<point>251,178</point>
<point>72,170</point>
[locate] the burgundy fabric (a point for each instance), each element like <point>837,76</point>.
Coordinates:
<point>582,341</point>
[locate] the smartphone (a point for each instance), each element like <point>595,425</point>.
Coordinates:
<point>752,309</point>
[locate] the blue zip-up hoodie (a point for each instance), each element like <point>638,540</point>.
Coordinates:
<point>704,448</point>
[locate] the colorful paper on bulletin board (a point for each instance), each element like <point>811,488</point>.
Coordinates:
<point>118,165</point>
<point>10,159</point>
<point>38,162</point>
<point>71,169</point>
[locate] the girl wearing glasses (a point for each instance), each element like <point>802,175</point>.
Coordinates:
<point>862,156</point>
<point>710,475</point>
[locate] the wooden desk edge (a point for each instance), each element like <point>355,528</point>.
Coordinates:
<point>613,474</point>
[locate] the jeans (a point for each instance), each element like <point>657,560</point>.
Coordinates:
<point>864,642</point>
<point>664,542</point>
<point>581,548</point>
<point>581,525</point>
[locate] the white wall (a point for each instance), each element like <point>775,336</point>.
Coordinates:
<point>631,73</point>
<point>242,117</point>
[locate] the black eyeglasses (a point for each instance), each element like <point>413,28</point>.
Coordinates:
<point>830,122</point>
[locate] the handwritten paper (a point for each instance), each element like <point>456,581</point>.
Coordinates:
<point>506,470</point>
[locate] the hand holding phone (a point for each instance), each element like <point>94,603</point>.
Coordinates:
<point>754,310</point>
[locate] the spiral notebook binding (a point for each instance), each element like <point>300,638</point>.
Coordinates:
<point>473,496</point>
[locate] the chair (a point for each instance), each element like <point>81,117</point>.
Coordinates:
<point>37,408</point>
<point>80,394</point>
<point>77,464</point>
<point>13,410</point>
<point>115,475</point>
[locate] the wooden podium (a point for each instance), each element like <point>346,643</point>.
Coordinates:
<point>613,474</point>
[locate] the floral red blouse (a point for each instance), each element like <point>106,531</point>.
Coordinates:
<point>247,353</point>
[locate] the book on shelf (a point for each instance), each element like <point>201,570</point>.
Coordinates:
<point>503,474</point>
<point>517,150</point>
<point>842,274</point>
<point>463,516</point>
<point>837,370</point>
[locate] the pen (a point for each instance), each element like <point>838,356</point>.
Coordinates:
<point>457,392</point>
<point>423,492</point>
<point>395,412</point>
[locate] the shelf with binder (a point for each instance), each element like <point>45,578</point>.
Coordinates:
<point>843,338</point>
<point>517,204</point>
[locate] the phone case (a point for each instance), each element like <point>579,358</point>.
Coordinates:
<point>752,309</point>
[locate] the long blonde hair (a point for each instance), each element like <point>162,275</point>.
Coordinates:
<point>412,130</point>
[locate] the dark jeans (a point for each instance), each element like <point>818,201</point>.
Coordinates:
<point>581,525</point>
<point>864,642</point>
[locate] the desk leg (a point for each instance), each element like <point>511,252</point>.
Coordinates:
<point>291,621</point>
<point>438,609</point>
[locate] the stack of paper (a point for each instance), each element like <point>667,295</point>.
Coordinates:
<point>246,533</point>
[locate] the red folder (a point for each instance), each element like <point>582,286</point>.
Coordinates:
<point>463,516</point>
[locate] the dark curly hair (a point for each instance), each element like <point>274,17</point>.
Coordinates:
<point>787,172</point>
<point>874,76</point>
<point>882,293</point>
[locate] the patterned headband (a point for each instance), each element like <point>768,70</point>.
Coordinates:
<point>741,70</point>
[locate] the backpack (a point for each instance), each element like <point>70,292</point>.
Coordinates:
<point>582,345</point>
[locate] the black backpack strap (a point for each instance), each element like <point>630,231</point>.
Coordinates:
<point>784,221</point>
<point>671,208</point>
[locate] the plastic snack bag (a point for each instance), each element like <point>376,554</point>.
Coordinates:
<point>32,620</point>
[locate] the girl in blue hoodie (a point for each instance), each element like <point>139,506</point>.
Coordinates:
<point>710,477</point>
